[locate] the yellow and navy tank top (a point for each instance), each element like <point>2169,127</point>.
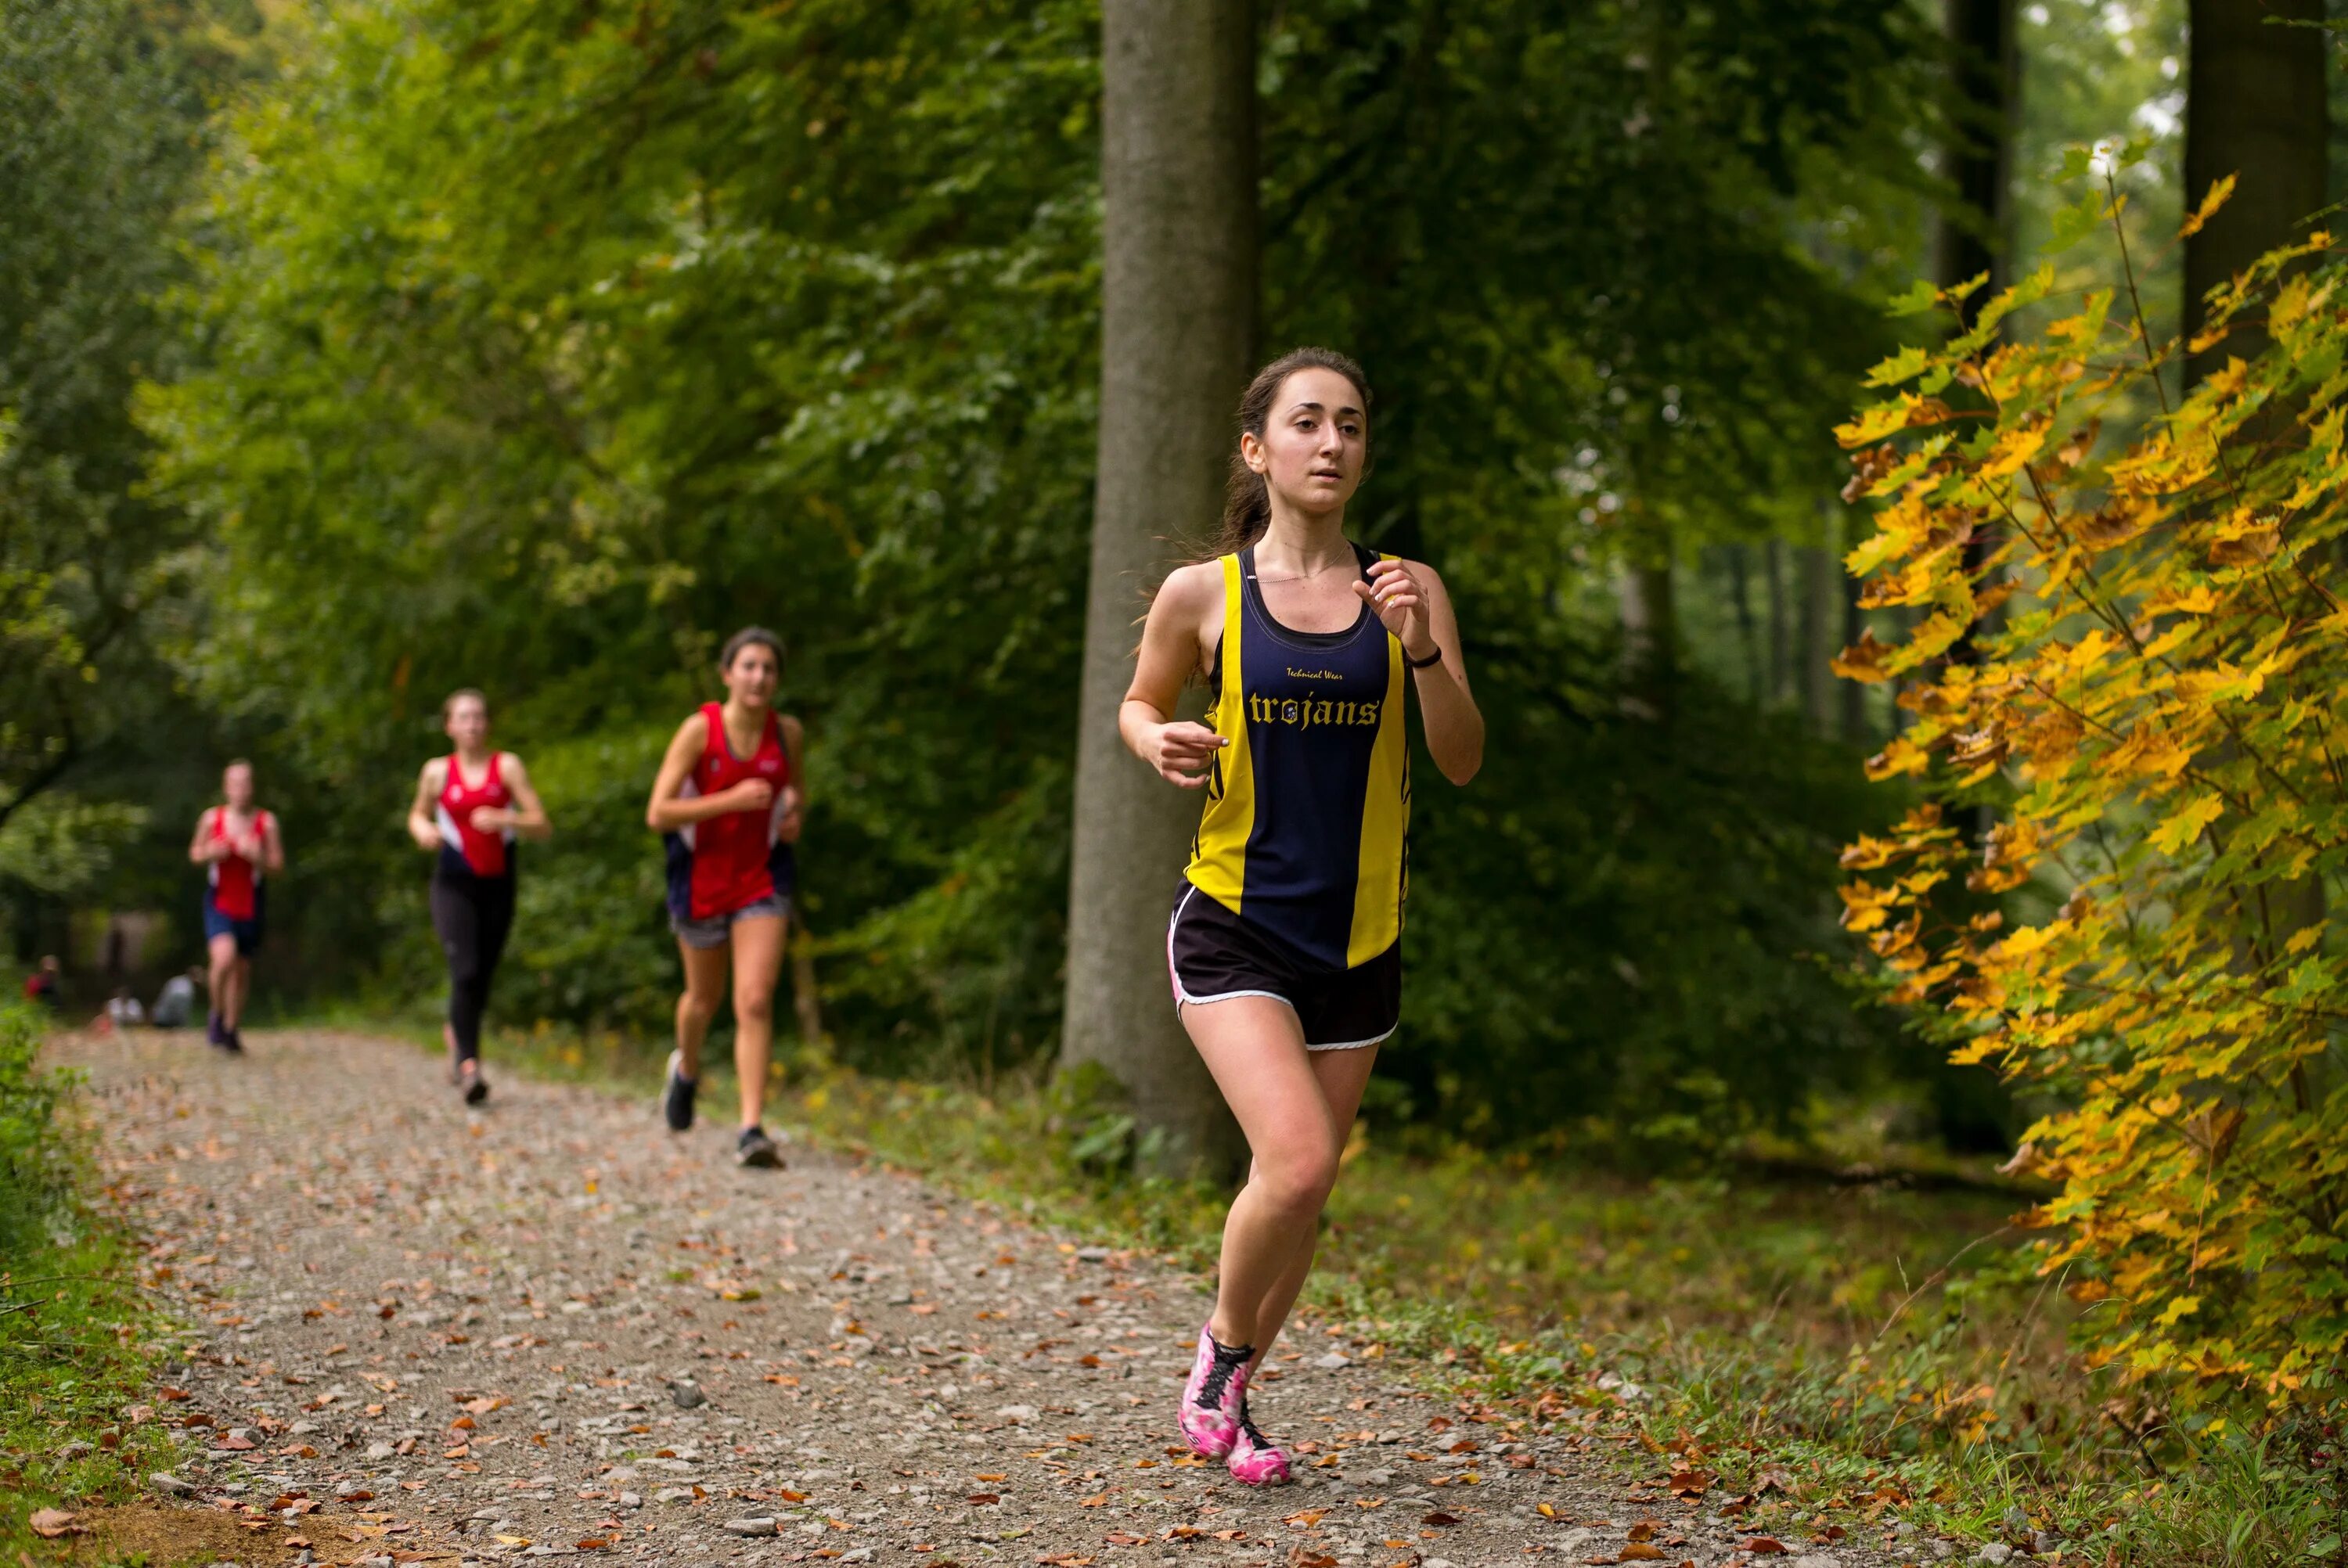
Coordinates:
<point>1307,806</point>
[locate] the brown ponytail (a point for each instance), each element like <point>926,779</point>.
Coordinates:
<point>1247,502</point>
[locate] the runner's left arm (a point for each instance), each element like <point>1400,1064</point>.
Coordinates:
<point>272,844</point>
<point>795,793</point>
<point>527,816</point>
<point>1410,599</point>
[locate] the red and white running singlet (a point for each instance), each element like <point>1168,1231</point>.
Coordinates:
<point>722,863</point>
<point>234,883</point>
<point>463,846</point>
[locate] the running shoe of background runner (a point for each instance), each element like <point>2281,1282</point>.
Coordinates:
<point>676,1094</point>
<point>755,1148</point>
<point>466,1077</point>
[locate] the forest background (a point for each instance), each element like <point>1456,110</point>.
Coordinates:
<point>403,347</point>
<point>360,351</point>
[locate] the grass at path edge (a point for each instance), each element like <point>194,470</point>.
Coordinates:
<point>80,1339</point>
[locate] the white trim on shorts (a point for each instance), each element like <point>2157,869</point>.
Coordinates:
<point>1352,1044</point>
<point>1183,998</point>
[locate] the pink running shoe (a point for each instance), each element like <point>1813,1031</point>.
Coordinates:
<point>1215,1398</point>
<point>1253,1460</point>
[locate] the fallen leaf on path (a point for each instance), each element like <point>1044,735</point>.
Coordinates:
<point>1310,1517</point>
<point>981,1499</point>
<point>1762,1545</point>
<point>1098,1500</point>
<point>49,1523</point>
<point>1439,1517</point>
<point>1299,1557</point>
<point>1640,1551</point>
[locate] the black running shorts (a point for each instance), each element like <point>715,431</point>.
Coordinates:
<point>1213,954</point>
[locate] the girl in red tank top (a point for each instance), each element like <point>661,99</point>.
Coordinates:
<point>469,808</point>
<point>237,844</point>
<point>463,845</point>
<point>726,803</point>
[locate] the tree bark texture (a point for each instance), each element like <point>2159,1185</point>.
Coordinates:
<point>1178,327</point>
<point>1985,93</point>
<point>2255,108</point>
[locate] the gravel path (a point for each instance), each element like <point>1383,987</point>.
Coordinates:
<point>551,1328</point>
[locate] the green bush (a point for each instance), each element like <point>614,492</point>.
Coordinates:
<point>34,1180</point>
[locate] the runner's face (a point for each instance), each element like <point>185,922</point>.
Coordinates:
<point>750,679</point>
<point>469,722</point>
<point>236,787</point>
<point>1314,442</point>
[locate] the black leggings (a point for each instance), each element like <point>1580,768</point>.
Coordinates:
<point>472,916</point>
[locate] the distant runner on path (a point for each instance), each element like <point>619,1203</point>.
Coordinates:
<point>469,807</point>
<point>1285,946</point>
<point>237,846</point>
<point>727,802</point>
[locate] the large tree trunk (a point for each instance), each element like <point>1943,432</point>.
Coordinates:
<point>2255,107</point>
<point>1781,635</point>
<point>1973,239</point>
<point>1748,635</point>
<point>1649,613</point>
<point>1984,92</point>
<point>1178,328</point>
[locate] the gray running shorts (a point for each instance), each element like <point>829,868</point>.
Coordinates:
<point>715,931</point>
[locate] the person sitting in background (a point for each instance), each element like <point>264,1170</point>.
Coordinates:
<point>41,985</point>
<point>175,1005</point>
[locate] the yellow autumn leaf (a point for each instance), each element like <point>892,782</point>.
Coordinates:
<point>2185,824</point>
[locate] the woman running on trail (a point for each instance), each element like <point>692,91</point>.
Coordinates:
<point>728,804</point>
<point>1284,948</point>
<point>469,807</point>
<point>237,844</point>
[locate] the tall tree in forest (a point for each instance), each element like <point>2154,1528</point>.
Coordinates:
<point>1985,83</point>
<point>2255,109</point>
<point>101,115</point>
<point>1178,318</point>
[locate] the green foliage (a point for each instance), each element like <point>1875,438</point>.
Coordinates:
<point>542,351</point>
<point>541,347</point>
<point>33,1170</point>
<point>1615,939</point>
<point>2156,712</point>
<point>101,111</point>
<point>62,846</point>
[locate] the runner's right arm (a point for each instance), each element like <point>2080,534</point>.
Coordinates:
<point>668,810</point>
<point>1172,650</point>
<point>203,848</point>
<point>422,824</point>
